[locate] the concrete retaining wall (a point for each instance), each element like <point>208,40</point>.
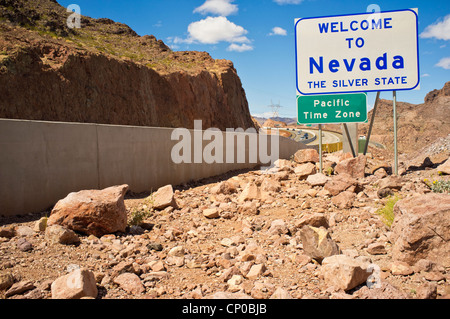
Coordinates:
<point>41,162</point>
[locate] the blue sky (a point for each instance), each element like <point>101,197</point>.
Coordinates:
<point>258,36</point>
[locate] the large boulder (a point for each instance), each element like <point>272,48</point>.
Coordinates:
<point>354,167</point>
<point>421,229</point>
<point>92,212</point>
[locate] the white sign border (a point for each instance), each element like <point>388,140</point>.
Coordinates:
<point>361,91</point>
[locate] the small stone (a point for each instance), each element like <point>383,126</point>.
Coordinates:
<point>306,156</point>
<point>24,245</point>
<point>434,276</point>
<point>281,293</point>
<point>250,192</point>
<point>235,280</point>
<point>401,268</point>
<point>304,170</point>
<point>57,234</point>
<point>130,283</point>
<point>211,213</point>
<point>317,243</point>
<point>177,251</point>
<point>315,220</point>
<point>155,246</point>
<point>19,288</point>
<point>317,179</point>
<point>24,231</point>
<point>256,271</point>
<point>163,198</point>
<point>376,249</point>
<point>344,200</point>
<point>157,265</point>
<point>41,224</point>
<point>76,285</point>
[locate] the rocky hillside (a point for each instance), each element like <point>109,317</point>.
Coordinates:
<point>288,232</point>
<point>418,125</point>
<point>105,73</point>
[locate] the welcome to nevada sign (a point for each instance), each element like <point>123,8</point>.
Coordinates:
<point>357,53</point>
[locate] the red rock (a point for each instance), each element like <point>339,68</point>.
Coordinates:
<point>163,198</point>
<point>344,272</point>
<point>401,268</point>
<point>421,229</point>
<point>304,170</point>
<point>250,192</point>
<point>92,212</point>
<point>344,200</point>
<point>76,285</point>
<point>315,220</point>
<point>306,155</point>
<point>130,283</point>
<point>317,243</point>
<point>19,288</point>
<point>355,167</point>
<point>339,183</point>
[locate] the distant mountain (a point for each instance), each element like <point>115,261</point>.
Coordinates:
<point>286,120</point>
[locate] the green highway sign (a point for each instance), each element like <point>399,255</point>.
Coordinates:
<point>330,109</point>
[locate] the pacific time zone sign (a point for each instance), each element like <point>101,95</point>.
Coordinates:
<point>357,53</point>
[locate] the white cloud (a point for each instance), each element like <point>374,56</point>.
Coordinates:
<point>425,75</point>
<point>239,48</point>
<point>439,30</point>
<point>219,7</point>
<point>278,31</point>
<point>444,63</point>
<point>213,30</point>
<point>281,2</point>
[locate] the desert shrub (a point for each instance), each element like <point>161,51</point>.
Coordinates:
<point>439,186</point>
<point>387,212</point>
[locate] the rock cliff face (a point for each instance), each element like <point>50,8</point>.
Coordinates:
<point>105,73</point>
<point>418,125</point>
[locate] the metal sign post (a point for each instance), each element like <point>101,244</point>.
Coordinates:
<point>347,133</point>
<point>394,101</point>
<point>320,149</point>
<point>366,147</point>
